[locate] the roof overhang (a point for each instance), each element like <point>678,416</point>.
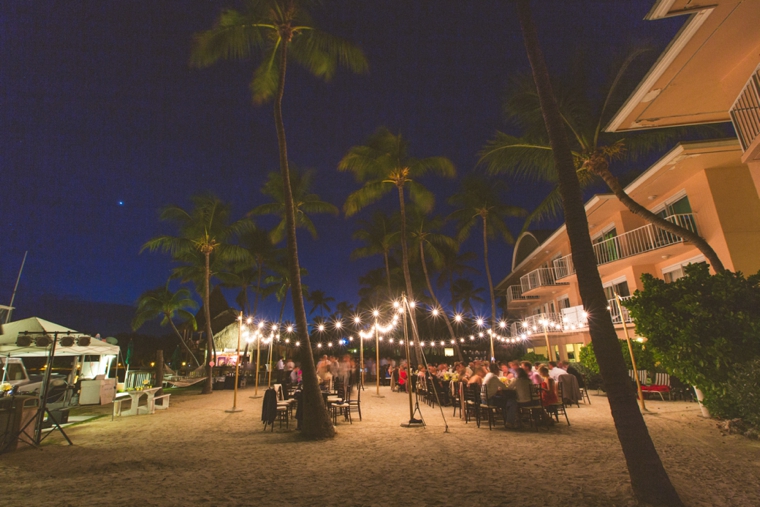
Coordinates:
<point>703,69</point>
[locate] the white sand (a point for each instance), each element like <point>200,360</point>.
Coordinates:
<point>196,454</point>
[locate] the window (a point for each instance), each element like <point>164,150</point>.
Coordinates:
<point>674,272</point>
<point>618,286</point>
<point>563,302</point>
<point>606,251</point>
<point>679,209</point>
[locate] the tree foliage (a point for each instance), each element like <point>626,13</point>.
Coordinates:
<point>701,326</point>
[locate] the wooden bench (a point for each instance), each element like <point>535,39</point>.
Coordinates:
<point>164,402</point>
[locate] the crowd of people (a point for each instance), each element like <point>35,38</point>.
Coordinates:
<point>503,384</point>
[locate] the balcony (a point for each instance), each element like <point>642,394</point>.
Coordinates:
<point>564,267</point>
<point>745,115</point>
<point>619,313</point>
<point>539,281</point>
<point>515,298</point>
<point>641,240</point>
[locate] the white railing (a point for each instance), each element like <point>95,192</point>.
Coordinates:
<point>644,239</point>
<point>618,312</point>
<point>745,113</point>
<point>514,292</point>
<point>564,266</point>
<point>538,278</point>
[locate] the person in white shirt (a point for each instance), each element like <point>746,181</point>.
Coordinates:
<point>555,371</point>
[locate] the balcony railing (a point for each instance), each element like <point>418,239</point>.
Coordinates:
<point>514,293</point>
<point>644,239</point>
<point>540,277</point>
<point>745,113</point>
<point>564,266</point>
<point>618,312</point>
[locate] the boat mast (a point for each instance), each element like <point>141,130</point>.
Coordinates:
<point>15,288</point>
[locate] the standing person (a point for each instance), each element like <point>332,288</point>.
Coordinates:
<point>344,370</point>
<point>281,370</point>
<point>402,376</point>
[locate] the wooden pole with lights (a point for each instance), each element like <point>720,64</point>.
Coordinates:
<point>630,351</point>
<point>237,367</point>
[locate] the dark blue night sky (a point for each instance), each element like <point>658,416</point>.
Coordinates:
<point>102,122</point>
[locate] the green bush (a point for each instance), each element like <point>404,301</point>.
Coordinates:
<point>533,357</point>
<point>645,359</point>
<point>742,395</point>
<point>702,327</point>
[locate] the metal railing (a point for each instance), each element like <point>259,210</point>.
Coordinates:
<point>745,113</point>
<point>644,239</point>
<point>514,292</point>
<point>540,277</point>
<point>564,266</point>
<point>618,312</point>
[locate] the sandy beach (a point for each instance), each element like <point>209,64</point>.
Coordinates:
<point>195,453</point>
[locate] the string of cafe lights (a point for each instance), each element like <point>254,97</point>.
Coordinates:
<point>268,331</point>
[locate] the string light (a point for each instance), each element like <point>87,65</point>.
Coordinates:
<point>338,324</point>
<point>435,312</point>
<point>321,327</point>
<point>458,318</point>
<point>479,321</point>
<point>357,320</point>
<point>289,329</point>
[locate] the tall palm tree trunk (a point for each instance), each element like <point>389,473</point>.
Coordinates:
<point>388,274</point>
<point>638,209</point>
<point>208,387</point>
<point>258,289</point>
<point>182,341</point>
<point>649,479</point>
<point>316,423</point>
<point>405,267</point>
<point>490,283</point>
<point>437,304</point>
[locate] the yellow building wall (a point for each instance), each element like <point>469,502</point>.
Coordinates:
<point>738,210</point>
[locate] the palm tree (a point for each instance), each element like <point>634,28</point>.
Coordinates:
<point>593,150</point>
<point>464,292</point>
<point>320,301</point>
<point>383,164</point>
<point>379,235</point>
<point>303,201</point>
<point>424,236</point>
<point>455,263</point>
<point>649,479</point>
<point>277,29</point>
<point>344,309</point>
<point>263,256</point>
<point>481,200</point>
<point>204,232</point>
<point>164,303</point>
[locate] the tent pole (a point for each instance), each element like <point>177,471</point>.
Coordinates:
<point>15,288</point>
<point>44,392</point>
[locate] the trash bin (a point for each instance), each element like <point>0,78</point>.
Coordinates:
<point>15,413</point>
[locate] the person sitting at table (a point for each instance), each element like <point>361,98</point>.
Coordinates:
<point>477,376</point>
<point>548,387</point>
<point>555,371</point>
<point>402,379</point>
<point>521,385</point>
<point>533,376</point>
<point>493,386</point>
<point>575,373</point>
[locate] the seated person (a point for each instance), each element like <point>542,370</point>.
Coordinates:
<point>548,387</point>
<point>493,386</point>
<point>533,376</point>
<point>521,385</point>
<point>477,376</point>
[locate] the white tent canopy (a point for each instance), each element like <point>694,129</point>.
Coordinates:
<point>11,330</point>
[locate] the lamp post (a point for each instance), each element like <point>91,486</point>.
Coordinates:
<point>237,367</point>
<point>375,314</point>
<point>630,351</point>
<point>545,324</point>
<point>258,336</point>
<point>358,321</point>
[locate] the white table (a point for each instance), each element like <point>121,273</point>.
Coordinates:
<point>135,408</point>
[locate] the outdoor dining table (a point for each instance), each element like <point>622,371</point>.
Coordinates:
<point>135,408</point>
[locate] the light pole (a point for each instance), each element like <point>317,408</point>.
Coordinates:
<point>237,367</point>
<point>544,324</point>
<point>358,321</point>
<point>630,350</point>
<point>375,314</point>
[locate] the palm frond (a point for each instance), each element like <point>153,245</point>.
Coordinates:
<point>371,192</point>
<point>421,196</point>
<point>519,156</point>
